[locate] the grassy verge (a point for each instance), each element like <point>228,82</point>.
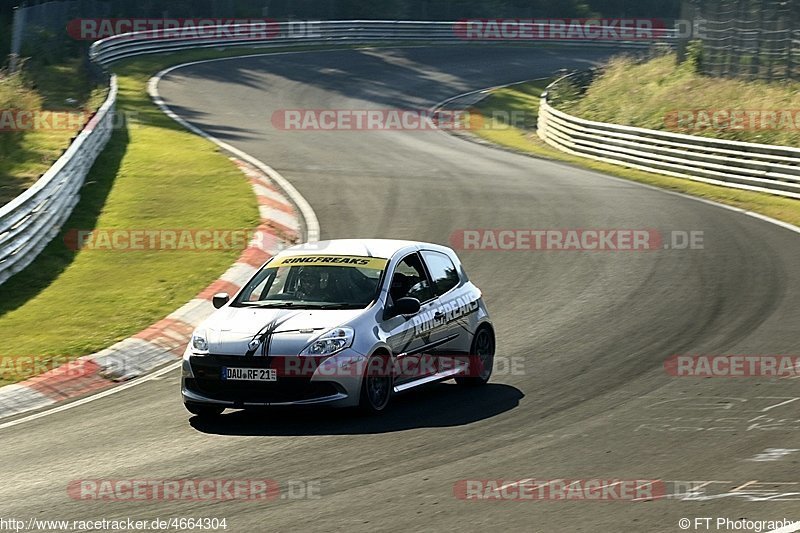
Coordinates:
<point>25,155</point>
<point>153,174</point>
<point>525,140</point>
<point>660,94</point>
<point>65,86</point>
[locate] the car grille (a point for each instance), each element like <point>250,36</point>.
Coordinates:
<point>207,381</point>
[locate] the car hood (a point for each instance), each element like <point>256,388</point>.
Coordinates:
<point>229,330</point>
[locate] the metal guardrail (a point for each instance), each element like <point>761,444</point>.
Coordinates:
<point>32,219</point>
<point>741,165</point>
<point>329,34</point>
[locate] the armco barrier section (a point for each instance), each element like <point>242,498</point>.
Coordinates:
<point>34,218</point>
<point>336,33</point>
<point>741,165</point>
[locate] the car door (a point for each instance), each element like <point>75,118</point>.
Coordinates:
<point>453,304</point>
<point>408,337</point>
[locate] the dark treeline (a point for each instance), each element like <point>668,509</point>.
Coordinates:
<point>6,7</point>
<point>386,9</point>
<point>457,9</point>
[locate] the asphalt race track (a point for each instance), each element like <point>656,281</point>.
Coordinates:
<point>589,331</point>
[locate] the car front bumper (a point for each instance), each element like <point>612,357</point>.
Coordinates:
<point>202,383</point>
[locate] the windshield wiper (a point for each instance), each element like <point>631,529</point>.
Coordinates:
<point>265,305</point>
<point>342,306</point>
<point>301,305</point>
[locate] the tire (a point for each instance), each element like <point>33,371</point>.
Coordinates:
<point>204,410</point>
<point>482,348</point>
<point>376,384</point>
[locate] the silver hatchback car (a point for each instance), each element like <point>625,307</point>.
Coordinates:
<point>343,323</point>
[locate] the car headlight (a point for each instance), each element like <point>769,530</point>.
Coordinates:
<point>331,342</point>
<point>199,342</point>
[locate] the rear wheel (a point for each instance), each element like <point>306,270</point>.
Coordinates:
<point>482,356</point>
<point>377,384</point>
<point>203,410</point>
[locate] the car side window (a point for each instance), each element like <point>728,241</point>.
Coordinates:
<point>443,272</point>
<point>409,280</point>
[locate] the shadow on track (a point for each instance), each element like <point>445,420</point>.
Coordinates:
<point>440,405</point>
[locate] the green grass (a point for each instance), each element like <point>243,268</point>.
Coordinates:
<point>68,80</point>
<point>643,94</point>
<point>518,101</point>
<point>26,155</point>
<point>526,141</point>
<point>153,174</point>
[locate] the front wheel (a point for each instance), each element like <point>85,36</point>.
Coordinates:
<point>482,356</point>
<point>377,384</point>
<point>203,410</point>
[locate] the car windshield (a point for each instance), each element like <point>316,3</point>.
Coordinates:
<point>315,282</point>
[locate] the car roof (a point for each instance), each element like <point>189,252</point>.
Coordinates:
<point>385,248</point>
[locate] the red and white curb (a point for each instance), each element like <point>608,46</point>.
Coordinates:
<point>164,341</point>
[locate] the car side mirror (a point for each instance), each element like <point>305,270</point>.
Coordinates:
<point>220,299</point>
<point>406,307</point>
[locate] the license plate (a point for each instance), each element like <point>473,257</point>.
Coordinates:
<point>248,374</point>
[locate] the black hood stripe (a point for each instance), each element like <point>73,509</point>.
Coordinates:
<point>264,334</point>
